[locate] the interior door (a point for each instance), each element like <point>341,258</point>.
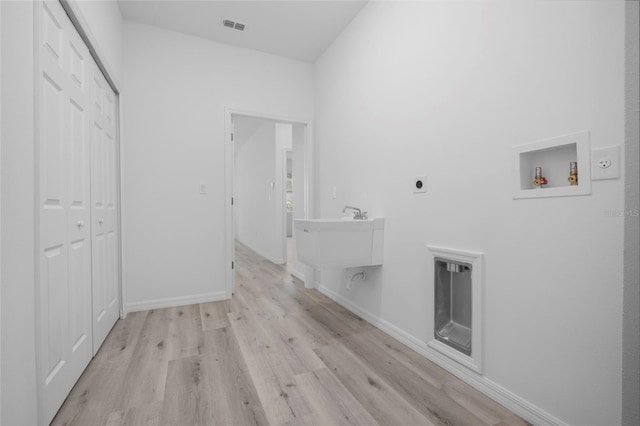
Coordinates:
<point>64,285</point>
<point>103,208</point>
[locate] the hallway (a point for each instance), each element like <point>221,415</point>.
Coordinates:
<point>274,354</point>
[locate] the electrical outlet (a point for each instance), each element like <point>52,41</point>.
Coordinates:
<point>420,184</point>
<point>605,163</point>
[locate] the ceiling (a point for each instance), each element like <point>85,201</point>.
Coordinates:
<point>299,29</point>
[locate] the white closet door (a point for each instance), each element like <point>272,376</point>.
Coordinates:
<point>104,209</point>
<point>64,287</point>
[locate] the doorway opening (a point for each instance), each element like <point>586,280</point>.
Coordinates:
<point>269,168</point>
<point>288,211</point>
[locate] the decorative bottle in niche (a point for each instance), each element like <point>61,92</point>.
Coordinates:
<point>539,180</point>
<point>573,173</point>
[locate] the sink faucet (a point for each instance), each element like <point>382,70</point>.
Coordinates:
<point>357,213</point>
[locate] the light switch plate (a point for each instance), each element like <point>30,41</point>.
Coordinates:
<point>420,184</point>
<point>605,163</point>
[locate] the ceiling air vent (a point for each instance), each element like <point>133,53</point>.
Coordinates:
<point>231,24</point>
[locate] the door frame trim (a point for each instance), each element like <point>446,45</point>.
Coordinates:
<point>84,29</point>
<point>309,184</point>
<point>0,214</point>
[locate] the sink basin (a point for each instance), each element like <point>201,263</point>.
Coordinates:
<point>339,243</point>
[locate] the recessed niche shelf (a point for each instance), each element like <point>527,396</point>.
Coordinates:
<point>554,156</point>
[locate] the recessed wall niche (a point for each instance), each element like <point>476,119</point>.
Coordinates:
<point>554,156</point>
<point>457,289</point>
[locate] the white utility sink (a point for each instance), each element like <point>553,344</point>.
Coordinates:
<point>339,243</point>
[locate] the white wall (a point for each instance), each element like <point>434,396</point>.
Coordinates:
<point>255,194</point>
<point>446,89</point>
<point>177,88</point>
<point>18,387</point>
<point>0,213</point>
<point>17,228</point>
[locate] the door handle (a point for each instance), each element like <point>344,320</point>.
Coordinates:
<point>80,223</point>
<point>101,221</point>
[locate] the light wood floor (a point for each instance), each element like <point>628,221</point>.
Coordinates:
<point>274,354</point>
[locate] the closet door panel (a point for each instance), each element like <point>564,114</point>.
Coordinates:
<point>64,284</point>
<point>106,308</point>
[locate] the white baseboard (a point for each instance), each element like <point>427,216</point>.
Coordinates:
<point>299,275</point>
<point>175,301</point>
<point>277,261</point>
<point>508,399</point>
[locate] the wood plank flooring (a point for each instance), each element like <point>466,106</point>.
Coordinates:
<point>275,354</point>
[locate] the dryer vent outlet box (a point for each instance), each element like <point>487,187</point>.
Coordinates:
<point>453,304</point>
<point>457,306</point>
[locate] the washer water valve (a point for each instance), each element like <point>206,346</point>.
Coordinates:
<point>539,180</point>
<point>573,173</point>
